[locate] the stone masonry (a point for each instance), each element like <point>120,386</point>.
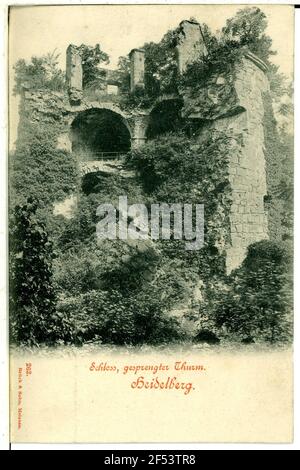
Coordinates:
<point>137,68</point>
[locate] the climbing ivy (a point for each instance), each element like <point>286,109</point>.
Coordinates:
<point>178,168</point>
<point>39,73</point>
<point>37,167</point>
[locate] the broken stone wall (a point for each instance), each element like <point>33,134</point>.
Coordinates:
<point>248,218</point>
<point>74,74</point>
<point>190,44</point>
<point>232,100</point>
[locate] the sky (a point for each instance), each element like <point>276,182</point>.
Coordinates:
<point>37,30</point>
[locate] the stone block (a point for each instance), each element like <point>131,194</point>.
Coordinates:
<point>74,74</point>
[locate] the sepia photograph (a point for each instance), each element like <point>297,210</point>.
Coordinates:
<point>150,185</point>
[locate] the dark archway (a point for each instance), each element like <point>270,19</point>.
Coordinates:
<point>165,117</point>
<point>99,133</point>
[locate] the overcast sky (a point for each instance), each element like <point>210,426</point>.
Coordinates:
<point>119,28</point>
<point>38,30</point>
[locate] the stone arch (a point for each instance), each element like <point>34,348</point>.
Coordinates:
<point>164,97</point>
<point>99,131</point>
<point>105,105</point>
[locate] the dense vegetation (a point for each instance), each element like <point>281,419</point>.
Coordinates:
<point>243,32</point>
<point>33,300</point>
<point>39,168</point>
<point>91,59</point>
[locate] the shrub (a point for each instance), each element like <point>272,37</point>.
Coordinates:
<point>194,172</point>
<point>110,263</point>
<point>258,302</point>
<point>40,73</point>
<point>109,317</point>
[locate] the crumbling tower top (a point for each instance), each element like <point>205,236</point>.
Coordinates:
<point>190,43</point>
<point>137,68</point>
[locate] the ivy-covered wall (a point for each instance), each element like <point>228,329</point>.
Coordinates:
<point>234,101</point>
<point>232,98</point>
<point>248,170</point>
<point>39,166</point>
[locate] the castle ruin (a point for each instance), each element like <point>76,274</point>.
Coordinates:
<point>226,102</point>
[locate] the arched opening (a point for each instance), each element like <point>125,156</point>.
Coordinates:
<point>165,117</point>
<point>99,134</point>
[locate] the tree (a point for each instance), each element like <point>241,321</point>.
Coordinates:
<point>247,28</point>
<point>32,293</point>
<point>161,65</point>
<point>124,69</point>
<point>40,73</point>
